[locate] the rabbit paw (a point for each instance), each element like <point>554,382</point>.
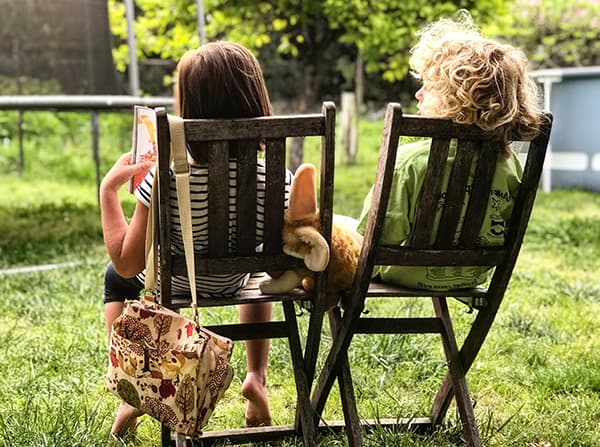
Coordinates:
<point>286,282</point>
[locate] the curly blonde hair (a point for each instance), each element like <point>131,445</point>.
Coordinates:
<point>480,81</point>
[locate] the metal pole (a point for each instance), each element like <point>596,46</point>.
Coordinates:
<point>201,22</point>
<point>547,172</point>
<point>96,150</point>
<point>21,165</point>
<point>134,77</point>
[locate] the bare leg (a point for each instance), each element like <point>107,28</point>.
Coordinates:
<point>254,388</point>
<point>125,420</point>
<point>126,417</point>
<point>111,311</point>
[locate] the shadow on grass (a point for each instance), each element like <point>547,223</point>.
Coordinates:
<point>45,233</point>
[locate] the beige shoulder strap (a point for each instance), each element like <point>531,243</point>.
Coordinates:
<point>182,174</point>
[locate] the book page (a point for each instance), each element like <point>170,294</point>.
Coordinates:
<point>144,145</point>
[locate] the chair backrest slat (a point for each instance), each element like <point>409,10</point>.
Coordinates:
<point>164,192</point>
<point>381,194</point>
<point>523,206</point>
<point>274,195</point>
<point>218,198</point>
<point>268,126</point>
<point>454,200</point>
<point>430,193</point>
<point>246,198</point>
<point>480,193</point>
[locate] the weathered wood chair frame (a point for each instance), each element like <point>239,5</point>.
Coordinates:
<point>473,146</point>
<point>272,132</point>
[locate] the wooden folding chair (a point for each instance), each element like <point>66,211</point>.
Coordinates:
<point>473,146</point>
<point>224,139</point>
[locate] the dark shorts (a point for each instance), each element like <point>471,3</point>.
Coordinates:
<point>117,288</point>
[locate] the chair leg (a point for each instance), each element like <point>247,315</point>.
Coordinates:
<point>304,409</point>
<point>469,350</point>
<point>329,372</point>
<point>311,351</point>
<point>165,436</point>
<point>351,419</point>
<point>180,440</point>
<point>441,402</point>
<point>456,372</point>
<point>313,341</point>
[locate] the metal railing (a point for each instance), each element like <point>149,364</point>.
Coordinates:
<point>80,102</point>
<point>83,103</point>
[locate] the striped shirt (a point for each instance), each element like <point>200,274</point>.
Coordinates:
<point>209,285</point>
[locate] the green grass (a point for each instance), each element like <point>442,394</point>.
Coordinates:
<point>536,381</point>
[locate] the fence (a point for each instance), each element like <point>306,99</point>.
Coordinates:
<point>84,103</point>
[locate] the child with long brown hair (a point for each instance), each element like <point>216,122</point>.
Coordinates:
<point>218,80</point>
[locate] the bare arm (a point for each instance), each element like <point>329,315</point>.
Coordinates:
<point>124,242</point>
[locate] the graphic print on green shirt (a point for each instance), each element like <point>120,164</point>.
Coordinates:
<point>409,173</point>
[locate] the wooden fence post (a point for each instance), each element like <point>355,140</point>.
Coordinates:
<point>349,127</point>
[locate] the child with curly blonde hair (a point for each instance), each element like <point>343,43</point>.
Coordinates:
<point>470,80</point>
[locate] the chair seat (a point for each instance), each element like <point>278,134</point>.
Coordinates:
<point>475,297</point>
<point>250,294</point>
<point>377,288</point>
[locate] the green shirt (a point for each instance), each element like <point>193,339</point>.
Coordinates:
<point>409,173</point>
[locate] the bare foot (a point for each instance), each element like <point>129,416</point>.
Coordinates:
<point>125,420</point>
<point>257,408</point>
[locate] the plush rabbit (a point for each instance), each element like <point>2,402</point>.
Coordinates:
<point>301,239</point>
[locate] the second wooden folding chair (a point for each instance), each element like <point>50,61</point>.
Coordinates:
<point>475,153</point>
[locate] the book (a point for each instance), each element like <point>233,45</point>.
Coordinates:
<point>144,145</point>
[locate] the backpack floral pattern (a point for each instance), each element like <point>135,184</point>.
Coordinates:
<point>160,362</point>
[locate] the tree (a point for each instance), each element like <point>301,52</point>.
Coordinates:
<point>383,32</point>
<point>376,33</point>
<point>379,32</point>
<point>325,39</point>
<point>164,29</point>
<point>553,33</point>
<point>300,31</point>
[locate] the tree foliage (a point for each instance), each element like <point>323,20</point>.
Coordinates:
<point>303,30</point>
<point>318,40</point>
<point>381,31</point>
<point>164,29</point>
<point>553,33</point>
<point>384,31</point>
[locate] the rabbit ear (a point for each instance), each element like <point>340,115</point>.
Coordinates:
<point>303,193</point>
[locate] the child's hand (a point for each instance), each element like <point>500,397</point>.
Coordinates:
<point>122,171</point>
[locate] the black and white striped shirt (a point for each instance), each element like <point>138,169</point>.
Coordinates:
<point>209,285</point>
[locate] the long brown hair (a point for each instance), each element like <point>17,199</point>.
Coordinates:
<point>220,80</point>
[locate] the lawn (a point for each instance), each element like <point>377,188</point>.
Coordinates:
<point>536,381</point>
